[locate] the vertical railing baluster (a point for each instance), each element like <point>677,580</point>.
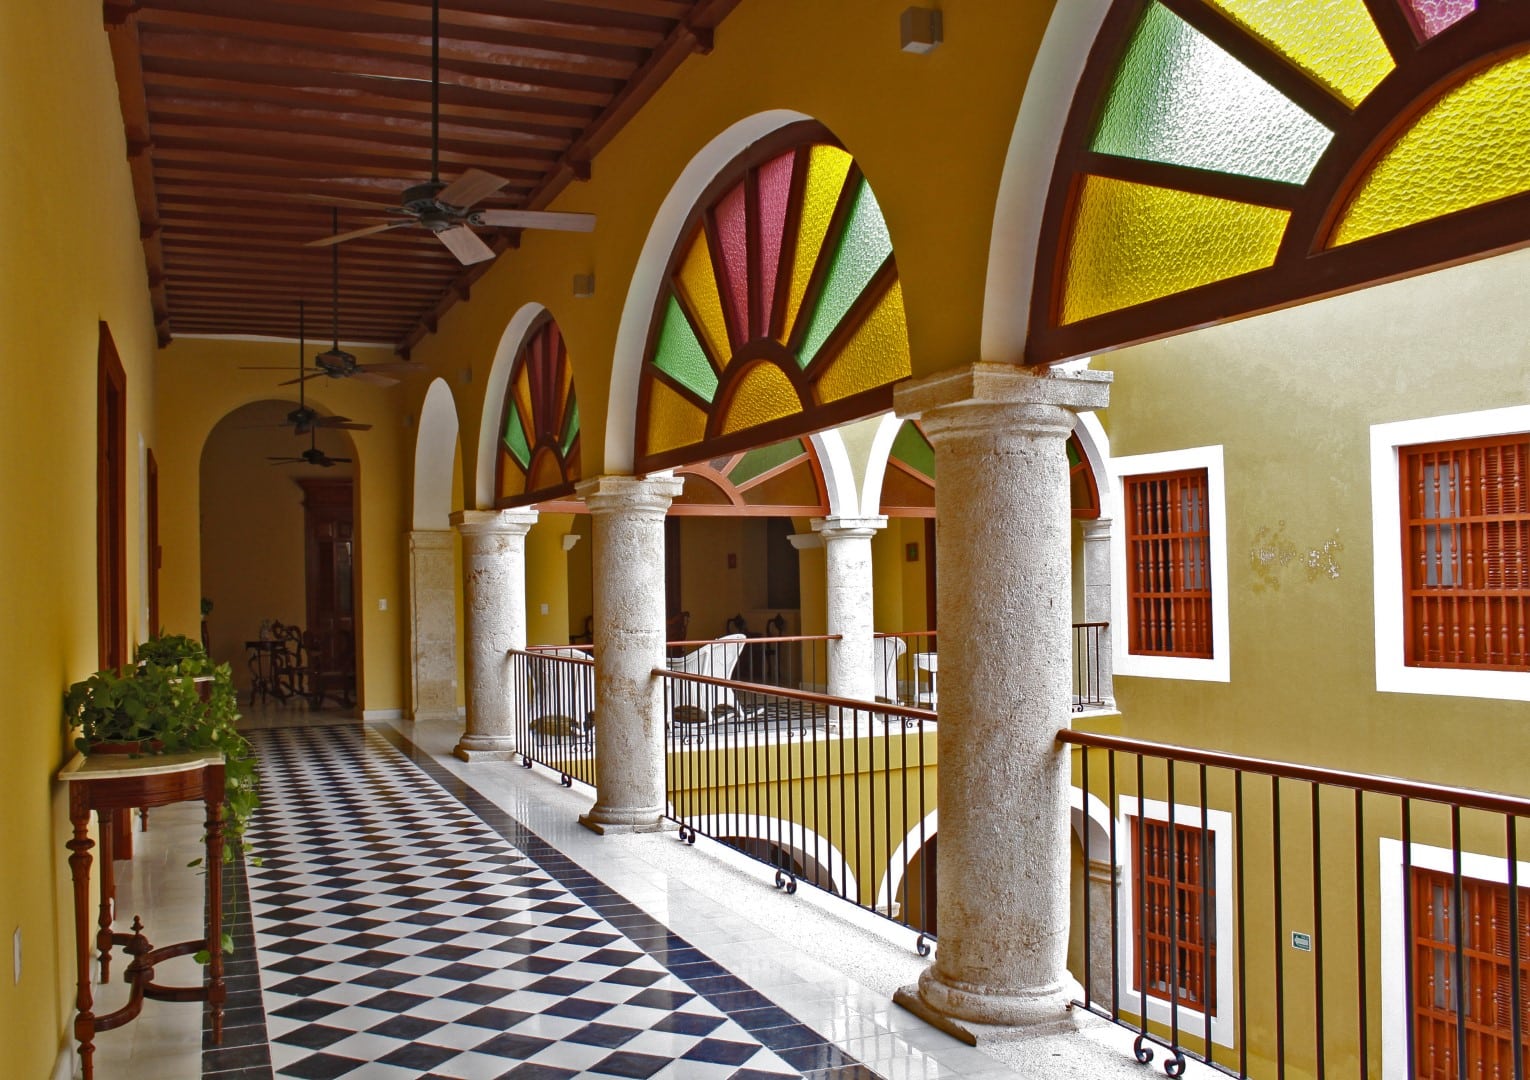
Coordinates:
<point>1317,926</point>
<point>1362,969</point>
<point>1139,926</point>
<point>1408,933</point>
<point>1174,879</point>
<point>1115,889</point>
<point>1208,914</point>
<point>1088,936</point>
<point>1458,920</point>
<point>1242,924</point>
<point>1280,933</point>
<point>1516,990</point>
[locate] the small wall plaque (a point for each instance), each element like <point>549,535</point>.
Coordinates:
<point>1301,942</point>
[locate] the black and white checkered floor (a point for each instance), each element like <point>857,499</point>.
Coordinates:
<point>409,929</point>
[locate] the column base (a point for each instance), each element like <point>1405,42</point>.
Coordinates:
<point>605,822</point>
<point>976,1018</point>
<point>485,748</point>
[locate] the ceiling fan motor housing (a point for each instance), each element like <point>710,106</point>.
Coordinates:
<point>337,363</point>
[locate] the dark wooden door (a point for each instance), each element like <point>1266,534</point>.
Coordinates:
<point>329,541</point>
<point>111,504</point>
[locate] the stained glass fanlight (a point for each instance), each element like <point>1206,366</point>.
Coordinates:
<point>782,312</point>
<point>1237,156</point>
<point>783,480</point>
<point>908,485</point>
<point>539,432</point>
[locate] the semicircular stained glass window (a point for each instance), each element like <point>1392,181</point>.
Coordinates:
<point>908,485</point>
<point>1244,155</point>
<point>781,313</point>
<point>539,432</point>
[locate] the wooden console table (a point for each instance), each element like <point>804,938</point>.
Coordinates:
<point>107,783</point>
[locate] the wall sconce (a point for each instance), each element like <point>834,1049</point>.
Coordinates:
<point>569,540</point>
<point>584,285</point>
<point>920,29</point>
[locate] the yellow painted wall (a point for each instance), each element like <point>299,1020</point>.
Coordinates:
<point>70,260</point>
<point>581,595</point>
<point>710,590</point>
<point>547,581</point>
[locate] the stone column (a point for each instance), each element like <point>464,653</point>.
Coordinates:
<point>432,626</point>
<point>1002,509</point>
<point>1097,587</point>
<point>847,562</point>
<point>627,519</point>
<point>494,595</point>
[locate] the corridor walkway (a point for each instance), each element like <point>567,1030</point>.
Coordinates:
<point>417,917</point>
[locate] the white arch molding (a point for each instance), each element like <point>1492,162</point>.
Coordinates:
<point>435,450</point>
<point>1027,176</point>
<point>492,417</point>
<point>838,473</point>
<point>787,834</point>
<point>648,274</point>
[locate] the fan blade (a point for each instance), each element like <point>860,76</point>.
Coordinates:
<point>263,367</point>
<point>471,187</point>
<point>373,378</point>
<point>340,423</point>
<point>464,243</point>
<point>303,378</point>
<point>341,200</point>
<point>356,233</point>
<point>534,219</point>
<point>337,460</point>
<point>286,460</point>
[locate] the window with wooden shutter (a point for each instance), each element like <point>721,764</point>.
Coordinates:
<point>1486,929</point>
<point>1466,553</point>
<point>1174,897</point>
<point>1168,564</point>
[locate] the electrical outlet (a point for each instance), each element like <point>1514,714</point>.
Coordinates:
<point>16,955</point>
<point>544,609</point>
<point>382,603</point>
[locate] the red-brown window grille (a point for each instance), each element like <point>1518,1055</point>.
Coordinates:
<point>1466,553</point>
<point>1486,929</point>
<point>1168,564</point>
<point>1174,896</point>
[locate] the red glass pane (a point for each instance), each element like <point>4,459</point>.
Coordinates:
<point>733,244</point>
<point>775,191</point>
<point>1429,17</point>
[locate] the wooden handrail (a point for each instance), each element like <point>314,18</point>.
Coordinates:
<point>802,695</point>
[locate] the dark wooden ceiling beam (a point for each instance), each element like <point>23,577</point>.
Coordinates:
<point>405,155</point>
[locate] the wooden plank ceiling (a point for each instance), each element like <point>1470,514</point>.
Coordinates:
<point>248,124</point>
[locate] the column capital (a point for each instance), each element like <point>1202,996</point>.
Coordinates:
<point>1097,528</point>
<point>613,494</point>
<point>992,395</point>
<point>516,522</point>
<point>805,541</point>
<point>840,526</point>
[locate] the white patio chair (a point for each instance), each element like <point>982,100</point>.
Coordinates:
<point>885,661</point>
<point>562,695</point>
<point>701,704</point>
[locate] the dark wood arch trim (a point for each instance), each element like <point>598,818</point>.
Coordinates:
<point>1305,268</point>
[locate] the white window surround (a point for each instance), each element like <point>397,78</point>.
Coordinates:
<point>1217,668</point>
<point>1392,674</point>
<point>1191,1021</point>
<point>1394,940</point>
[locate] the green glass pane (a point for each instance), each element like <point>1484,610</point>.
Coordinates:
<point>863,248</point>
<point>515,437</point>
<point>571,429</point>
<point>1180,99</point>
<point>1073,458</point>
<point>679,355</point>
<point>914,450</point>
<point>763,459</point>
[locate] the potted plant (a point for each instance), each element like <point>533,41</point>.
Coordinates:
<point>174,700</point>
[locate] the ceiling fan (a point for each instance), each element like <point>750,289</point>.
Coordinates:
<point>312,456</point>
<point>447,209</point>
<point>303,419</point>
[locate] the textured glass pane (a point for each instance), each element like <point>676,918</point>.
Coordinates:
<point>672,420</point>
<point>698,284</point>
<point>512,478</point>
<point>1472,146</point>
<point>541,360</point>
<point>1134,242</point>
<point>1180,99</point>
<point>571,428</point>
<point>522,387</point>
<point>827,169</point>
<point>914,450</point>
<point>875,354</point>
<point>764,459</point>
<point>1334,41</point>
<point>678,354</point>
<point>775,192</point>
<point>515,436</point>
<point>764,394</point>
<point>1432,16</point>
<point>863,248</point>
<point>733,238</point>
<point>546,472</point>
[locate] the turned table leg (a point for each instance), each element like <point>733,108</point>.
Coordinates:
<point>79,869</point>
<point>213,795</point>
<point>108,913</point>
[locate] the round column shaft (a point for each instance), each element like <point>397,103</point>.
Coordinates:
<point>847,557</point>
<point>432,626</point>
<point>1003,563</point>
<point>627,518</point>
<point>494,595</point>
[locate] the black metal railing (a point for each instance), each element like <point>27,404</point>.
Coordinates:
<point>794,661</point>
<point>831,792</point>
<point>1088,666</point>
<point>905,668</point>
<point>554,705</point>
<point>1272,919</point>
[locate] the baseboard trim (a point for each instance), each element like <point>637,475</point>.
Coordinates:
<point>63,1065</point>
<point>372,715</point>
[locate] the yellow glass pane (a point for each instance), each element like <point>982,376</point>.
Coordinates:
<point>1471,147</point>
<point>827,168</point>
<point>512,481</point>
<point>1134,242</point>
<point>672,420</point>
<point>523,399</point>
<point>764,394</point>
<point>545,472</point>
<point>1334,41</point>
<point>699,284</point>
<point>875,354</point>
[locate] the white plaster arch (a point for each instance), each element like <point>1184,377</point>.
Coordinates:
<point>876,466</point>
<point>1095,444</point>
<point>435,451</point>
<point>491,419</point>
<point>1027,176</point>
<point>838,473</point>
<point>648,274</point>
<point>788,834</point>
<point>903,855</point>
<point>1091,824</point>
